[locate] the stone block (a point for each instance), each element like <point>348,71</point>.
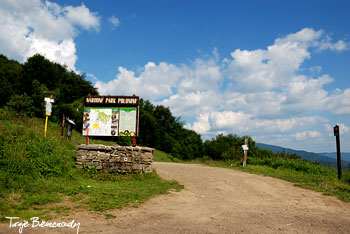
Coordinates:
<point>147,149</point>
<point>146,158</point>
<point>148,169</point>
<point>82,152</point>
<point>114,159</point>
<point>91,157</point>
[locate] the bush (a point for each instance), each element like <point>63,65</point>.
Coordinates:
<point>295,164</point>
<point>22,105</point>
<point>346,176</point>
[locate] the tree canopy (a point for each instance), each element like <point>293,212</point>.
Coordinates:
<point>29,81</point>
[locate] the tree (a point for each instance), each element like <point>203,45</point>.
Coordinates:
<point>161,130</point>
<point>10,76</point>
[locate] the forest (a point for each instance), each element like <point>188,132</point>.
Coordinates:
<point>22,90</point>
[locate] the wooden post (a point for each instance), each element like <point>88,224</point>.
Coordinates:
<point>337,138</point>
<point>134,141</point>
<point>245,150</point>
<point>244,159</point>
<point>87,136</point>
<point>62,126</point>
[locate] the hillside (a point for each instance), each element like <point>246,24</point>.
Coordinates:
<point>36,171</point>
<point>326,159</point>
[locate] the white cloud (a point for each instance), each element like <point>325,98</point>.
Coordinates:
<point>306,95</point>
<point>202,125</point>
<point>339,103</point>
<point>239,122</point>
<point>193,103</point>
<point>343,128</point>
<point>201,75</point>
<point>82,16</point>
<point>154,82</point>
<point>92,77</point>
<point>188,90</point>
<point>114,21</point>
<point>300,136</point>
<point>34,26</point>
<point>275,67</point>
<point>340,45</point>
<point>259,92</point>
<point>62,52</point>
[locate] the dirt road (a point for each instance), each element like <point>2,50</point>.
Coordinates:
<point>217,200</point>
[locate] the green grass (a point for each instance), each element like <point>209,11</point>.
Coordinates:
<point>110,216</point>
<point>38,175</point>
<point>160,156</point>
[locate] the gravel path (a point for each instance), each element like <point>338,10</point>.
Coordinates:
<point>217,200</point>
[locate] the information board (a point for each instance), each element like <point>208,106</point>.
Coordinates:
<point>101,119</point>
<point>128,118</point>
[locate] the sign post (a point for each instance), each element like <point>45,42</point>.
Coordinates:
<point>48,109</point>
<point>245,150</point>
<point>337,138</point>
<point>46,125</point>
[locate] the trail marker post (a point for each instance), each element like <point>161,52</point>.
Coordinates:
<point>245,150</point>
<point>337,138</point>
<point>48,109</point>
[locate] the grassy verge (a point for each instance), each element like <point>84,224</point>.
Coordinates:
<point>37,172</point>
<point>160,156</point>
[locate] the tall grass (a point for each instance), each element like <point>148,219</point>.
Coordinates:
<point>36,171</point>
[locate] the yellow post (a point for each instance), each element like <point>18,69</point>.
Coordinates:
<point>46,124</point>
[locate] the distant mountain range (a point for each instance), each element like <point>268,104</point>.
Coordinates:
<point>326,159</point>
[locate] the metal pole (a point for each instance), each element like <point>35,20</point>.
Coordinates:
<point>46,125</point>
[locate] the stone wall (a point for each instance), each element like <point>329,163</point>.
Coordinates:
<point>116,159</point>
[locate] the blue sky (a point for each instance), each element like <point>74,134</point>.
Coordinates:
<point>275,70</point>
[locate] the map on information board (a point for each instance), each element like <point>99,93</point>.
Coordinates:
<point>100,121</point>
